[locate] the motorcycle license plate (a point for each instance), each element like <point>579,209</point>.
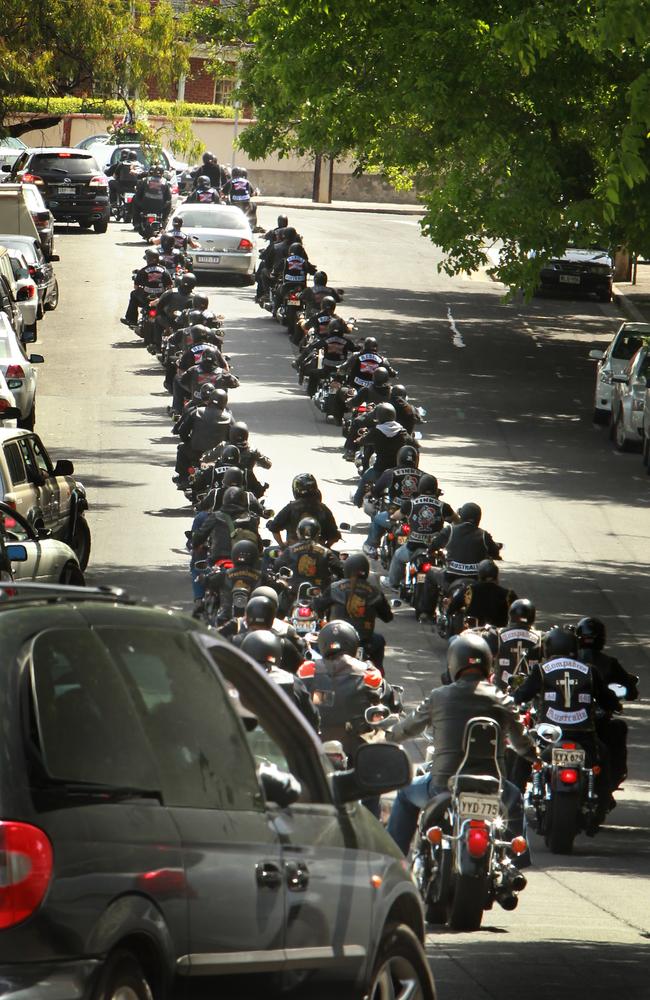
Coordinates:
<point>478,806</point>
<point>401,539</point>
<point>293,305</point>
<point>421,577</point>
<point>564,757</point>
<point>207,258</point>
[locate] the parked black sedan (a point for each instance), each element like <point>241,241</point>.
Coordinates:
<point>72,184</point>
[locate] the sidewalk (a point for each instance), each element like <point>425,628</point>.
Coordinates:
<point>373,207</point>
<point>634,300</point>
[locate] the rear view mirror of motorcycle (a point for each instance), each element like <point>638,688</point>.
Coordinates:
<point>548,733</point>
<point>269,525</point>
<point>618,689</point>
<point>375,714</point>
<point>201,564</point>
<point>344,526</point>
<point>418,435</point>
<point>266,542</point>
<point>285,572</point>
<point>395,602</point>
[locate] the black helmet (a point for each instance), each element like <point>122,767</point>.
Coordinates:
<point>200,301</point>
<point>233,477</point>
<point>260,611</point>
<point>522,612</point>
<point>236,172</point>
<point>156,170</point>
<point>283,221</point>
<point>304,485</point>
<point>166,241</point>
<point>207,158</point>
<point>370,344</point>
<point>337,325</point>
<point>243,172</point>
<point>291,235</point>
<point>559,641</point>
<point>234,498</point>
<point>177,221</point>
<point>470,512</point>
<point>398,392</point>
<point>133,156</point>
<point>468,651</point>
<point>206,392</point>
<point>193,316</point>
<point>203,181</point>
<point>267,592</point>
<point>308,528</point>
<point>297,248</point>
<point>428,486</point>
<point>199,333</point>
<point>230,455</point>
<point>320,279</point>
<point>328,303</point>
<point>238,433</point>
<point>264,647</point>
<point>338,637</point>
<point>244,553</point>
<point>380,376</point>
<point>408,456</point>
<point>151,254</point>
<point>383,413</point>
<point>591,634</point>
<point>187,283</point>
<point>124,154</point>
<point>356,565</point>
<point>219,397</point>
<point>209,358</point>
<point>488,570</point>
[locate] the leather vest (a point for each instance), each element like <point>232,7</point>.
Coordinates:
<point>519,650</point>
<point>404,485</point>
<point>567,694</point>
<point>425,519</point>
<point>309,562</point>
<point>354,601</point>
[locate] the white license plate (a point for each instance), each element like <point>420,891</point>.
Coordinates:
<point>569,279</point>
<point>64,190</point>
<point>421,577</point>
<point>567,757</point>
<point>478,806</point>
<point>207,258</point>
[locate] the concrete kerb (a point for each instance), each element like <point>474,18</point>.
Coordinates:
<point>624,302</point>
<point>374,208</point>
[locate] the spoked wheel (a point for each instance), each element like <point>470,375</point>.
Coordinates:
<point>401,971</point>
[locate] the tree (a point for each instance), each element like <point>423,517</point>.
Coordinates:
<point>106,48</point>
<point>524,121</point>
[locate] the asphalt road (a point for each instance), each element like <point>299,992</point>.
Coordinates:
<point>508,389</point>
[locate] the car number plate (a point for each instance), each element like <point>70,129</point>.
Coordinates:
<point>64,190</point>
<point>207,258</point>
<point>564,757</point>
<point>570,279</point>
<point>401,539</point>
<point>478,806</point>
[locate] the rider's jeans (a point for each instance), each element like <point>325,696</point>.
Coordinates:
<point>380,523</point>
<point>401,556</point>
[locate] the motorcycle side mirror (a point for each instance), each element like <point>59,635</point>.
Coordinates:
<point>271,513</point>
<point>266,542</point>
<point>619,690</point>
<point>10,413</point>
<point>395,602</point>
<point>344,526</point>
<point>285,572</point>
<point>64,467</point>
<point>269,525</point>
<point>376,713</point>
<point>548,733</point>
<point>53,258</point>
<point>201,564</point>
<point>418,435</point>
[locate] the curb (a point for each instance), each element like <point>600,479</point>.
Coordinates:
<point>627,306</point>
<point>342,207</point>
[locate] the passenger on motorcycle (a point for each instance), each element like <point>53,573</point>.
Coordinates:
<point>181,239</point>
<point>446,711</point>
<point>148,284</point>
<point>202,428</point>
<point>309,561</point>
<point>397,484</point>
<point>358,600</point>
<point>260,615</point>
<point>483,600</point>
<point>312,298</point>
<point>383,440</point>
<point>307,502</point>
<point>204,194</point>
<point>152,194</point>
<point>425,515</point>
<point>360,366</point>
<point>266,649</point>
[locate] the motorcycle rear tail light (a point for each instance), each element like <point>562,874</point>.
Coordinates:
<point>434,835</point>
<point>151,218</point>
<point>519,845</point>
<point>425,567</point>
<point>26,865</point>
<point>391,536</point>
<point>537,765</point>
<point>478,839</point>
<point>568,776</point>
<point>304,612</point>
<point>245,244</point>
<point>14,371</point>
<point>568,746</point>
<point>406,529</point>
<point>152,312</point>
<point>596,769</point>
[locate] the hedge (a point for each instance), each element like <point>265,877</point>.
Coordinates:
<point>93,106</point>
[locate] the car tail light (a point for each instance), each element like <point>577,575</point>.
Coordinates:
<point>26,292</point>
<point>4,404</point>
<point>245,244</point>
<point>568,776</point>
<point>32,179</point>
<point>64,156</point>
<point>478,839</point>
<point>304,612</point>
<point>96,182</point>
<point>26,864</point>
<point>14,371</point>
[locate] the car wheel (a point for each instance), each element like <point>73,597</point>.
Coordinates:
<point>71,576</point>
<point>605,296</point>
<point>122,978</point>
<point>100,227</point>
<point>81,541</point>
<point>621,442</point>
<point>53,300</point>
<point>601,416</point>
<point>401,970</point>
<point>84,224</point>
<point>27,423</point>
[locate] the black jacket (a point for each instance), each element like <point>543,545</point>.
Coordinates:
<point>466,547</point>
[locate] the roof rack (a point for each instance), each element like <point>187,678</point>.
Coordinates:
<point>53,593</point>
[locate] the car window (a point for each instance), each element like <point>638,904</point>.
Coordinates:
<point>88,728</point>
<point>67,163</point>
<point>12,142</point>
<point>187,714</point>
<point>14,530</point>
<point>15,462</point>
<point>27,456</point>
<point>41,457</point>
<point>19,268</point>
<point>212,219</point>
<point>21,161</point>
<point>626,346</point>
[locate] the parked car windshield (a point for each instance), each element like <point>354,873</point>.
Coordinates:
<point>626,346</point>
<point>68,163</point>
<point>212,219</point>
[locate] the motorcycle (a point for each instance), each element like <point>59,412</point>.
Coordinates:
<point>289,312</point>
<point>303,616</point>
<point>149,224</point>
<point>462,863</point>
<point>122,210</point>
<point>147,323</point>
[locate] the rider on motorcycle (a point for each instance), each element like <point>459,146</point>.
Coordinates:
<point>399,483</point>
<point>189,382</point>
<point>211,168</point>
<point>124,174</point>
<point>426,515</point>
<point>312,298</point>
<point>259,615</point>
<point>360,366</point>
<point>152,194</point>
<point>485,599</point>
<point>295,269</point>
<point>265,648</point>
<point>249,457</point>
<point>307,502</point>
<point>383,440</point>
<point>173,300</point>
<point>202,428</point>
<point>181,239</point>
<point>334,344</point>
<point>309,561</point>
<point>204,194</point>
<point>446,711</point>
<point>517,646</point>
<point>148,284</point>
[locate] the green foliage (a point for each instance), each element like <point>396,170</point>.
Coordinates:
<point>525,121</point>
<point>108,108</point>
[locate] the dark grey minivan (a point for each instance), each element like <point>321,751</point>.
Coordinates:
<point>171,827</point>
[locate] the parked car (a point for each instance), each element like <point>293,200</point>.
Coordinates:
<point>165,849</point>
<point>26,295</point>
<point>46,494</point>
<point>43,218</point>
<point>227,242</point>
<point>9,412</point>
<point>628,401</point>
<point>47,560</point>
<point>73,187</point>
<point>10,150</point>
<point>92,140</point>
<point>579,270</point>
<point>39,267</point>
<point>9,304</point>
<point>613,361</point>
<point>18,369</point>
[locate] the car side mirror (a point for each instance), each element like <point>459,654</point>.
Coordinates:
<point>36,359</point>
<point>53,258</point>
<point>64,467</point>
<point>6,168</point>
<point>377,768</point>
<point>16,553</point>
<point>596,355</point>
<point>43,532</point>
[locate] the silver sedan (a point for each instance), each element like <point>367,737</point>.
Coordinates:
<point>227,242</point>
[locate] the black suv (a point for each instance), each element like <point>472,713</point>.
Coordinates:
<point>172,824</point>
<point>72,185</point>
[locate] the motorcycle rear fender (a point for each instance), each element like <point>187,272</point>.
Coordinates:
<point>465,864</point>
<point>559,788</point>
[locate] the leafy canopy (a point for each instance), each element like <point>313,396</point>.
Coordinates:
<point>524,121</point>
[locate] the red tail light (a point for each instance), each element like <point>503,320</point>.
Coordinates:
<point>304,612</point>
<point>31,179</point>
<point>362,408</point>
<point>152,312</point>
<point>26,863</point>
<point>245,244</point>
<point>151,218</point>
<point>405,530</point>
<point>425,567</point>
<point>97,181</point>
<point>568,776</point>
<point>64,156</point>
<point>478,839</point>
<point>568,746</point>
<point>14,371</point>
<point>4,404</point>
<point>293,297</point>
<point>391,536</point>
